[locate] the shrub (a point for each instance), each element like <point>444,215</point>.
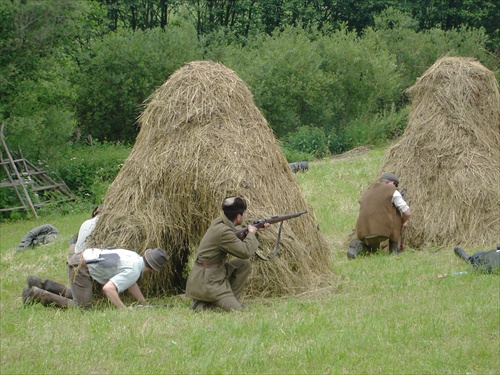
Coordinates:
<point>88,170</point>
<point>375,130</point>
<point>309,140</point>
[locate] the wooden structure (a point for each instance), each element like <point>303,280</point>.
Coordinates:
<point>29,182</point>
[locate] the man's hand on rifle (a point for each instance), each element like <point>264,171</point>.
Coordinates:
<point>254,229</point>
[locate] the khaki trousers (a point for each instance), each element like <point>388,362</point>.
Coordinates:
<point>238,277</point>
<point>80,281</point>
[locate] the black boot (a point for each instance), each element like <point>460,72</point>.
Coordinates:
<point>50,286</point>
<point>462,254</point>
<point>394,247</point>
<point>354,249</point>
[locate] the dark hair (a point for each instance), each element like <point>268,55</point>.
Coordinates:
<point>96,211</point>
<point>232,206</point>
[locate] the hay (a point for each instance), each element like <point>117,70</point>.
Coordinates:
<point>449,156</point>
<point>202,138</point>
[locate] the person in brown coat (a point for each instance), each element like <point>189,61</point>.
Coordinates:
<point>214,281</point>
<point>382,214</point>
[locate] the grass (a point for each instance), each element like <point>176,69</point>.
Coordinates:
<point>384,315</point>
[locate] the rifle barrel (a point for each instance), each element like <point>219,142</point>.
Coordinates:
<point>242,233</point>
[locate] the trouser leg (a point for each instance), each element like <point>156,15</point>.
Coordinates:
<point>81,285</point>
<point>239,271</point>
<point>462,254</point>
<point>228,303</point>
<point>239,276</point>
<point>50,286</point>
<point>372,244</point>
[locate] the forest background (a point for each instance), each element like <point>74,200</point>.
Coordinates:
<point>328,75</point>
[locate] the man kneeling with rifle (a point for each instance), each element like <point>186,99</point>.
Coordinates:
<point>213,282</point>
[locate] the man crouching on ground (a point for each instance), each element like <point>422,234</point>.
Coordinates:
<point>213,282</point>
<point>116,269</point>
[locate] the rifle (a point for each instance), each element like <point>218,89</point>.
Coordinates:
<point>400,242</point>
<point>242,233</point>
<point>151,306</point>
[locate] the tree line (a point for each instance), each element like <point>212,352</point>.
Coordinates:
<point>328,75</point>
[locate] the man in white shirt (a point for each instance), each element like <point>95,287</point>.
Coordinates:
<point>382,214</point>
<point>116,269</point>
<point>86,229</point>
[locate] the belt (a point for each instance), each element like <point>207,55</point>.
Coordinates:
<point>208,265</point>
<point>81,261</point>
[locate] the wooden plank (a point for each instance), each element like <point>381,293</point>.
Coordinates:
<point>15,183</point>
<point>46,187</point>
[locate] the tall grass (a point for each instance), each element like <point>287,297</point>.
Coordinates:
<point>383,315</point>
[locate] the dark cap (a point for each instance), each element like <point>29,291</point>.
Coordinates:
<point>234,205</point>
<point>391,177</point>
<point>156,258</point>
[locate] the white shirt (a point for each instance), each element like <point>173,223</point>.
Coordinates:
<point>123,275</point>
<point>85,230</point>
<point>399,202</point>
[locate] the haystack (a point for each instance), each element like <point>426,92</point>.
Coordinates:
<point>449,156</point>
<point>201,139</point>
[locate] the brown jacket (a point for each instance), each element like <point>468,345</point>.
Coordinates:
<point>211,282</point>
<point>377,215</point>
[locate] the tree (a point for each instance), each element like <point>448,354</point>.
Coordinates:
<point>121,71</point>
<point>37,40</point>
<point>138,14</point>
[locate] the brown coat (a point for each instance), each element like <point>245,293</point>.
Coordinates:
<point>212,283</point>
<point>377,215</point>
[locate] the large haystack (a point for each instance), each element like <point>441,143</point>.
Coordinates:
<point>202,138</point>
<point>449,156</point>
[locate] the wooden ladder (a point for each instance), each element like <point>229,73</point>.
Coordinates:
<point>21,175</point>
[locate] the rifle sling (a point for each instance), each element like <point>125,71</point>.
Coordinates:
<point>276,249</point>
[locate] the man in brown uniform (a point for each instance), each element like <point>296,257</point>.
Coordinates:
<point>213,282</point>
<point>382,214</point>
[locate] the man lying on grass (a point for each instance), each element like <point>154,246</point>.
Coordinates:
<point>116,269</point>
<point>487,261</point>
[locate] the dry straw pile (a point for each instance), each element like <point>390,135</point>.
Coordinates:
<point>449,156</point>
<point>202,138</point>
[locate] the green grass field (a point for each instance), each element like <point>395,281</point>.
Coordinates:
<point>382,315</point>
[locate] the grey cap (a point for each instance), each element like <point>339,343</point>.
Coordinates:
<point>156,258</point>
<point>390,176</point>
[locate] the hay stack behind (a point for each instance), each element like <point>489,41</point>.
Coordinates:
<point>449,156</point>
<point>202,138</point>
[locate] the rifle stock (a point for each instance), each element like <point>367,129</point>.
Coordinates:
<point>242,233</point>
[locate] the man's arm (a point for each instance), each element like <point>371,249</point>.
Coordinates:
<point>111,292</point>
<point>137,294</point>
<point>402,206</point>
<point>406,216</point>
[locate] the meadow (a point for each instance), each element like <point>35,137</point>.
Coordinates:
<point>381,314</point>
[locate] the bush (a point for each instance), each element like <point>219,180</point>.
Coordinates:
<point>307,140</point>
<point>377,129</point>
<point>293,156</point>
<point>122,70</point>
<point>88,170</point>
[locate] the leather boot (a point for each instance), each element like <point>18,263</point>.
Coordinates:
<point>35,294</point>
<point>462,254</point>
<point>50,286</point>
<point>355,248</point>
<point>393,247</point>
<point>26,295</point>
